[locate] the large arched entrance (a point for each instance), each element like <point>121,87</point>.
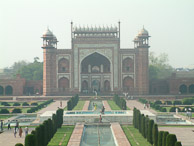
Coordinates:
<point>128,84</point>
<point>63,84</point>
<point>8,90</point>
<point>95,63</point>
<point>191,88</point>
<point>106,86</point>
<point>1,90</point>
<point>95,85</point>
<point>183,89</point>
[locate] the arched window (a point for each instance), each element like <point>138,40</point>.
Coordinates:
<point>8,90</point>
<point>63,84</point>
<point>106,85</point>
<point>183,89</point>
<point>191,88</point>
<point>63,65</point>
<point>128,65</point>
<point>1,90</point>
<point>84,86</point>
<point>128,84</point>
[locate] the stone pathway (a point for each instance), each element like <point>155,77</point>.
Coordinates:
<point>86,105</point>
<point>75,139</point>
<point>106,105</point>
<point>183,134</point>
<point>7,137</point>
<point>119,135</point>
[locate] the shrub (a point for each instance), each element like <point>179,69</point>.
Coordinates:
<point>158,102</point>
<point>25,104</point>
<point>16,110</point>
<point>19,144</point>
<point>188,101</point>
<point>157,107</point>
<point>188,109</point>
<point>30,140</point>
<point>16,104</point>
<point>173,109</point>
<point>155,134</point>
<point>34,104</point>
<point>177,102</point>
<point>168,102</point>
<point>160,137</point>
<point>171,140</point>
<point>178,143</point>
<point>142,100</point>
<point>5,104</point>
<point>4,111</point>
<point>163,109</point>
<point>150,126</point>
<point>165,134</point>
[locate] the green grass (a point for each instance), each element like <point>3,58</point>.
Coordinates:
<point>3,117</point>
<point>113,105</point>
<point>79,105</point>
<point>62,135</point>
<point>135,138</point>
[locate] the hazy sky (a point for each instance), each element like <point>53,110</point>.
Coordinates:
<point>169,22</point>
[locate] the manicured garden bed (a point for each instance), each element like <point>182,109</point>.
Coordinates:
<point>135,138</point>
<point>113,106</point>
<point>62,136</point>
<point>79,105</point>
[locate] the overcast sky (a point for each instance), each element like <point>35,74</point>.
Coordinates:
<point>169,22</point>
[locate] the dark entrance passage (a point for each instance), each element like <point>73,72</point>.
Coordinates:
<point>1,90</point>
<point>183,89</point>
<point>8,90</point>
<point>191,88</point>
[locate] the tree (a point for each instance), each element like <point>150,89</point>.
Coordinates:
<point>155,134</point>
<point>165,134</point>
<point>171,140</point>
<point>30,140</point>
<point>160,136</point>
<point>159,67</point>
<point>19,144</point>
<point>143,125</point>
<point>178,143</point>
<point>150,126</point>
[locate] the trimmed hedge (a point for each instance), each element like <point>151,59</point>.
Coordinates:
<point>25,104</point>
<point>5,104</point>
<point>178,143</point>
<point>171,140</point>
<point>160,137</point>
<point>158,102</point>
<point>173,109</point>
<point>168,102</point>
<point>4,111</point>
<point>188,101</point>
<point>142,100</point>
<point>155,134</point>
<point>19,144</point>
<point>30,140</point>
<point>164,137</point>
<point>16,110</point>
<point>16,104</point>
<point>150,127</point>
<point>72,102</point>
<point>34,104</point>
<point>177,102</point>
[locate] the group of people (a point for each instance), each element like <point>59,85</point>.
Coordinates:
<point>147,105</point>
<point>188,113</point>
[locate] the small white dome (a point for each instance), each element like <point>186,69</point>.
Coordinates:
<point>48,33</point>
<point>143,32</point>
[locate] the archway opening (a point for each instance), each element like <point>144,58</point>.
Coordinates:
<point>63,84</point>
<point>191,88</point>
<point>95,85</point>
<point>85,86</point>
<point>8,90</point>
<point>128,65</point>
<point>1,90</point>
<point>95,63</point>
<point>183,89</point>
<point>63,65</point>
<point>128,84</point>
<point>106,85</point>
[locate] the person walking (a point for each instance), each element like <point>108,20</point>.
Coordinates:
<point>26,130</point>
<point>1,125</point>
<point>15,131</point>
<point>8,125</point>
<point>20,131</point>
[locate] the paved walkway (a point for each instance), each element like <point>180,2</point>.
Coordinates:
<point>106,105</point>
<point>183,134</point>
<point>86,105</point>
<point>7,137</point>
<point>75,139</point>
<point>119,135</point>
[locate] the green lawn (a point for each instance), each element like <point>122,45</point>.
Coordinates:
<point>3,117</point>
<point>135,138</point>
<point>79,105</point>
<point>113,105</point>
<point>61,136</point>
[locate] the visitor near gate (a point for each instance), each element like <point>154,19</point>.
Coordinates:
<point>8,125</point>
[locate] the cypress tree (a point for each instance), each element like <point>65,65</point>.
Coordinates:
<point>150,126</point>
<point>134,117</point>
<point>178,143</point>
<point>19,144</point>
<point>46,132</point>
<point>50,128</point>
<point>171,140</point>
<point>38,136</point>
<point>160,136</point>
<point>143,125</point>
<point>155,134</point>
<point>42,135</point>
<point>30,140</point>
<point>146,126</point>
<point>164,138</point>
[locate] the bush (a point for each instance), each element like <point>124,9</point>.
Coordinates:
<point>34,104</point>
<point>19,144</point>
<point>165,134</point>
<point>160,137</point>
<point>168,102</point>
<point>150,126</point>
<point>171,140</point>
<point>177,102</point>
<point>5,104</point>
<point>25,104</point>
<point>142,100</point>
<point>188,109</point>
<point>16,104</point>
<point>4,111</point>
<point>72,102</point>
<point>178,143</point>
<point>16,110</point>
<point>158,102</point>
<point>188,101</point>
<point>30,140</point>
<point>155,134</point>
<point>120,102</point>
<point>163,109</point>
<point>173,109</point>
